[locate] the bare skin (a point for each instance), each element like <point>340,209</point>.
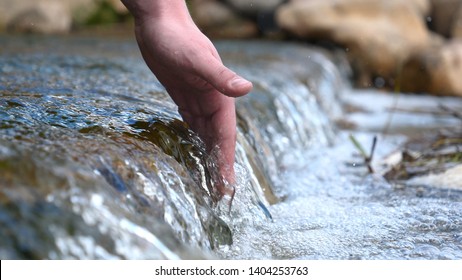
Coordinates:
<point>187,64</point>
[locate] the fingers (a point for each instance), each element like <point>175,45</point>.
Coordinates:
<point>222,78</point>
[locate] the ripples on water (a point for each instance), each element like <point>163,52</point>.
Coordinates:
<point>95,164</point>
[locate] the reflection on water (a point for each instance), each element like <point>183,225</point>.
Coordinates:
<point>95,163</point>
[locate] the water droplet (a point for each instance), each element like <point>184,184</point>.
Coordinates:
<point>379,82</point>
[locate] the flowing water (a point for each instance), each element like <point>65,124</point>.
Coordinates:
<point>95,163</point>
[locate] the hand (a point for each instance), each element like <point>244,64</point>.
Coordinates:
<point>188,65</point>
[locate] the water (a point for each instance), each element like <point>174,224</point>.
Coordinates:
<point>94,163</point>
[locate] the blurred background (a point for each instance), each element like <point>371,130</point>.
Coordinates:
<point>409,45</point>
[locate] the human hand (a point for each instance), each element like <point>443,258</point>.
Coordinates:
<point>188,65</point>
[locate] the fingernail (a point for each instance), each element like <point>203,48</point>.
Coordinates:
<point>239,82</point>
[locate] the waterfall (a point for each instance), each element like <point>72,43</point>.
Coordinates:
<point>96,163</point>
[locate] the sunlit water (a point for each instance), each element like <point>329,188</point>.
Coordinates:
<point>94,162</point>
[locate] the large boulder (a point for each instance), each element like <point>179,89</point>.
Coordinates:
<point>436,70</point>
<point>49,16</point>
<point>456,29</point>
<point>378,35</point>
<point>44,16</point>
<point>444,14</point>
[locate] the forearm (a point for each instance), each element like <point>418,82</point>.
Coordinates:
<point>152,9</point>
<point>185,61</point>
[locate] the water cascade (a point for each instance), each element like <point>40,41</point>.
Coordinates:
<point>95,163</point>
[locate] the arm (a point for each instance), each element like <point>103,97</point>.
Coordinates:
<point>188,65</point>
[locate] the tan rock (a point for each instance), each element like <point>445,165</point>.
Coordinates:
<point>443,15</point>
<point>43,17</point>
<point>436,70</point>
<point>378,35</point>
<point>456,29</point>
<point>219,21</point>
<point>49,16</point>
<point>450,179</point>
<point>118,6</point>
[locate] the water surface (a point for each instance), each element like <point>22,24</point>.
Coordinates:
<point>96,163</point>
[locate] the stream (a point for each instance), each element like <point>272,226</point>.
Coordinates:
<point>95,162</point>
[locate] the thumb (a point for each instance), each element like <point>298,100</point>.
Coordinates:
<point>222,78</point>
